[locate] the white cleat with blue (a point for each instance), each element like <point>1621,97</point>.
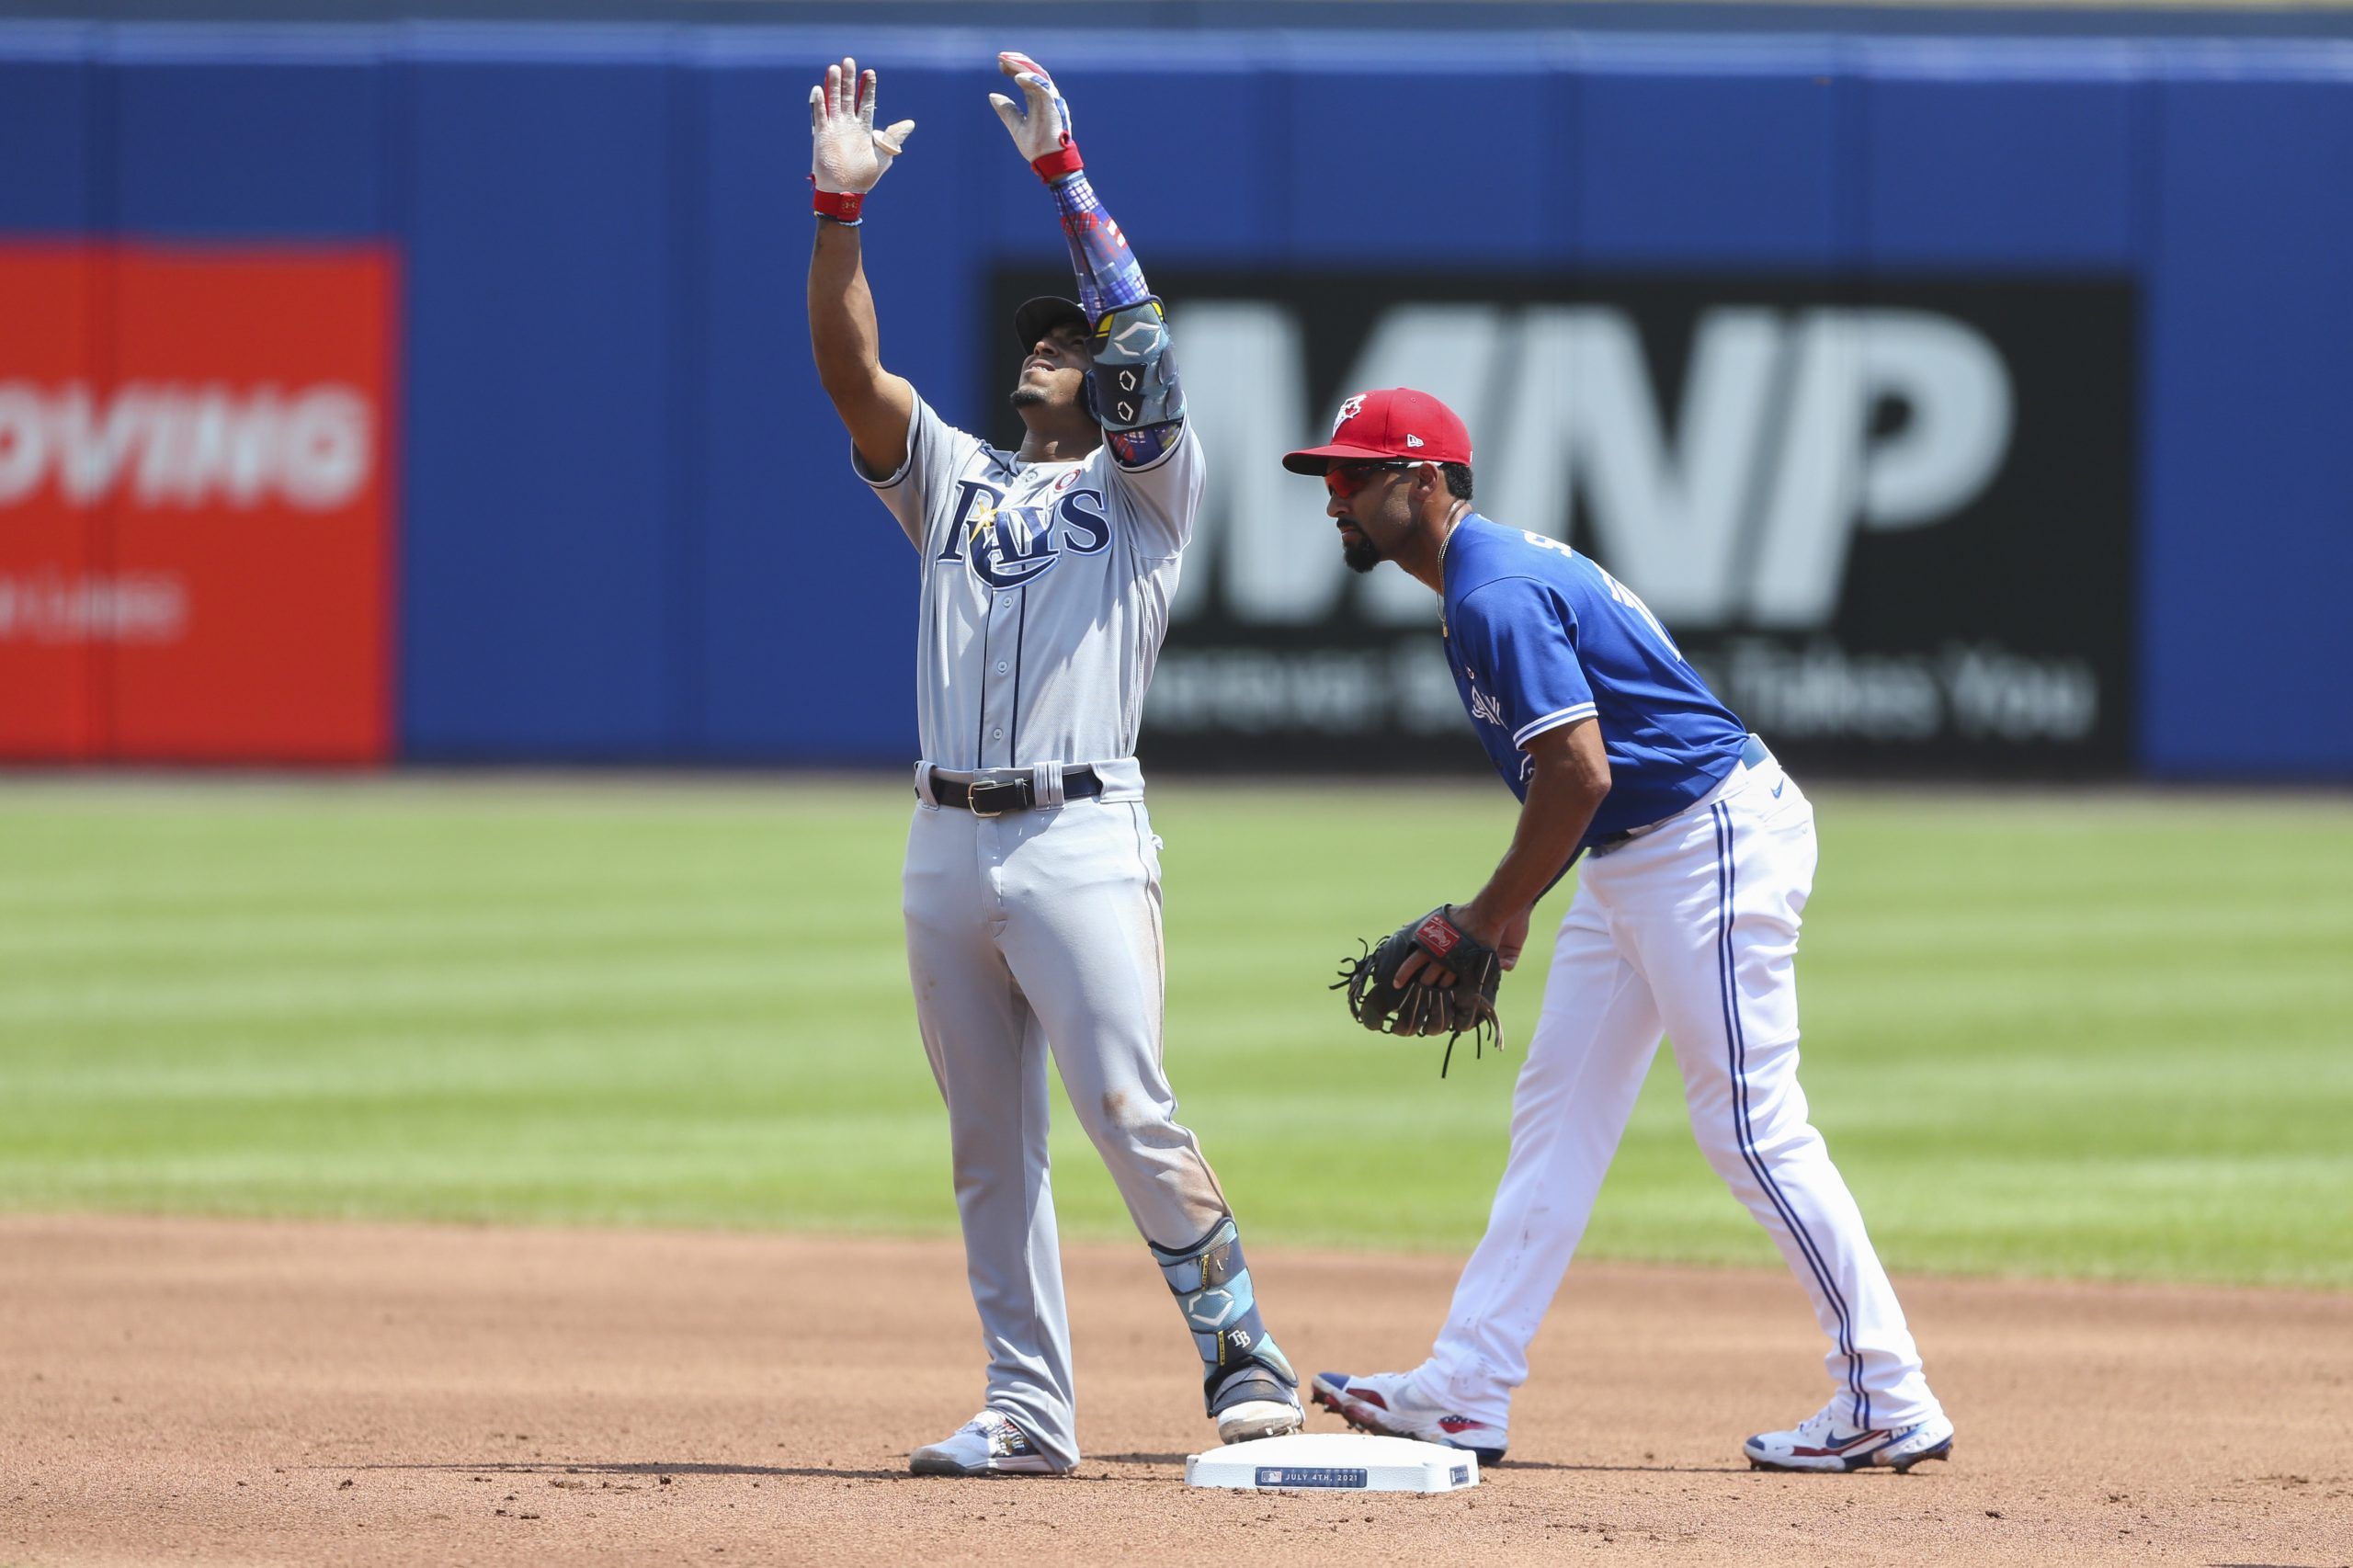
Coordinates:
<point>1253,1404</point>
<point>1820,1443</point>
<point>989,1444</point>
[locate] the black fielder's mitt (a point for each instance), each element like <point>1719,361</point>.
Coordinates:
<point>1420,1007</point>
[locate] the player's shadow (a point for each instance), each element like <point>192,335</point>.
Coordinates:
<point>661,1473</point>
<point>1508,1464</point>
<point>637,1468</point>
<point>1626,1469</point>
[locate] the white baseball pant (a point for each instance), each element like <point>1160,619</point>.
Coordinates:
<point>1691,929</point>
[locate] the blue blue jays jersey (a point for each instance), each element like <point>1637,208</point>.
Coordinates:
<point>1539,636</point>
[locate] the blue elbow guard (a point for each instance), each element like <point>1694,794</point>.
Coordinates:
<point>1134,382</point>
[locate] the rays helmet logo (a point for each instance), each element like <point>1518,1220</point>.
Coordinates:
<point>1348,411</point>
<point>1008,547</point>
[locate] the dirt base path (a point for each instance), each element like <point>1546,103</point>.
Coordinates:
<point>197,1392</point>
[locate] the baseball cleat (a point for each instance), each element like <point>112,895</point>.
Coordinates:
<point>1817,1443</point>
<point>989,1444</point>
<point>1256,1404</point>
<point>1384,1404</point>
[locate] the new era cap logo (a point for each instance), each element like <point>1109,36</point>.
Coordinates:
<point>1415,442</point>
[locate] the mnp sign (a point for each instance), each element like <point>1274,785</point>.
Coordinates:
<point>1891,521</point>
<point>195,503</point>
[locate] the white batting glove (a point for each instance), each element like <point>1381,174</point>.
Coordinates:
<point>848,155</point>
<point>1040,125</point>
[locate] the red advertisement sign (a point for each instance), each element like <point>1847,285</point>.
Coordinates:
<point>196,470</point>
<point>50,703</point>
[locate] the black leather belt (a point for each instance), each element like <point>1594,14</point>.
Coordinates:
<point>1752,755</point>
<point>1010,793</point>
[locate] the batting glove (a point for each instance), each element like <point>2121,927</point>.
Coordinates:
<point>1041,124</point>
<point>848,155</point>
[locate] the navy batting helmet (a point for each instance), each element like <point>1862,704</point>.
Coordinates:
<point>1040,317</point>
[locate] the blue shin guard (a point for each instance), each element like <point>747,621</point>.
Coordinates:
<point>1212,1284</point>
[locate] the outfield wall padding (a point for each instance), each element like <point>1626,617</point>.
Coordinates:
<point>626,530</point>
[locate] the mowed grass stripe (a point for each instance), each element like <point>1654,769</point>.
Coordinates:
<point>2098,1036</point>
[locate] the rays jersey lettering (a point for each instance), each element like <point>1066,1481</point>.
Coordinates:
<point>1009,546</point>
<point>1044,594</point>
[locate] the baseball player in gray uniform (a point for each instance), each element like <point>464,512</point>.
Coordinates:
<point>1032,882</point>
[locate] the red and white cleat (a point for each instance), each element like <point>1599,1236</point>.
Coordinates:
<point>1386,1404</point>
<point>1819,1443</point>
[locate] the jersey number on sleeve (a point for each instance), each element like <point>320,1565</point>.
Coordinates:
<point>1617,590</point>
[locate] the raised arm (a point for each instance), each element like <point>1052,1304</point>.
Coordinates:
<point>1133,376</point>
<point>848,156</point>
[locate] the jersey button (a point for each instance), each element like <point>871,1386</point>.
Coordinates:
<point>1000,666</point>
<point>1005,603</point>
<point>996,734</point>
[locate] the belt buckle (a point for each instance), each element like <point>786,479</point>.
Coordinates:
<point>1004,793</point>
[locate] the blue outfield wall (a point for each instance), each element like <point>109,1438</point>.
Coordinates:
<point>629,530</point>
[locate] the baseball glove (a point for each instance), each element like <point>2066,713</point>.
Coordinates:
<point>1421,1007</point>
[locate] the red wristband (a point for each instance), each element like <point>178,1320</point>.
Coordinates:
<point>841,206</point>
<point>1062,159</point>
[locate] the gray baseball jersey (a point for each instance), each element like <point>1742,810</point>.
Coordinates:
<point>1045,593</point>
<point>1036,935</point>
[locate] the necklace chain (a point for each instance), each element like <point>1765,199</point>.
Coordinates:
<point>1453,522</point>
<point>1446,539</point>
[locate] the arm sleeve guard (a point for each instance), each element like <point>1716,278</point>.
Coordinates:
<point>1133,387</point>
<point>1108,277</point>
<point>1134,375</point>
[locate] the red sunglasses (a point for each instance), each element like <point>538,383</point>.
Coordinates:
<point>1343,480</point>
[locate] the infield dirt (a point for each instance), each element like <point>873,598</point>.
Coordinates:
<point>230,1392</point>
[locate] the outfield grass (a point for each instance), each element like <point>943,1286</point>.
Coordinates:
<point>2099,1036</point>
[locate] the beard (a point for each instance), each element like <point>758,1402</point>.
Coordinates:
<point>1361,554</point>
<point>1027,396</point>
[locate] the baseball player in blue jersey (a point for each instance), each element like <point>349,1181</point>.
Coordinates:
<point>1032,884</point>
<point>1698,855</point>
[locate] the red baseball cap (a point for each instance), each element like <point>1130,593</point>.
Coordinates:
<point>1396,422</point>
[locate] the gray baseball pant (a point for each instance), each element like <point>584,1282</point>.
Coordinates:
<point>1034,933</point>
